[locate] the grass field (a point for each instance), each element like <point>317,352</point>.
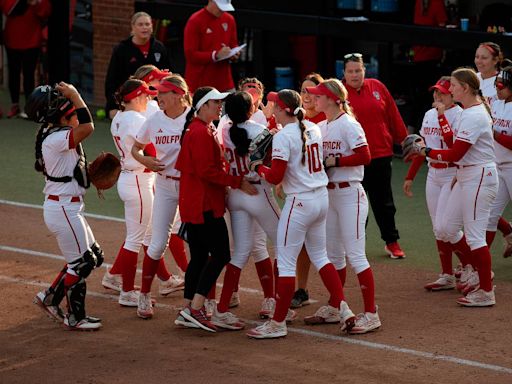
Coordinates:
<point>22,184</point>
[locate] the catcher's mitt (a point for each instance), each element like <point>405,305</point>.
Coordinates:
<point>259,148</point>
<point>412,146</point>
<point>104,171</point>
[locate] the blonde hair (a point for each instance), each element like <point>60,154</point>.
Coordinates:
<point>337,87</point>
<point>180,82</point>
<point>468,76</point>
<point>143,71</point>
<point>139,14</point>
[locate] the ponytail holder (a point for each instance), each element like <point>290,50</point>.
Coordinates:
<point>297,110</point>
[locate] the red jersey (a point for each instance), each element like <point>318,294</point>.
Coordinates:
<point>203,178</point>
<point>376,111</point>
<point>204,34</point>
<point>434,16</point>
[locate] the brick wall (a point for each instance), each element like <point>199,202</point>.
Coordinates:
<point>111,24</point>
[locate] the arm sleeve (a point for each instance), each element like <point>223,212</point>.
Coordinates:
<point>453,154</point>
<point>504,140</point>
<point>414,168</point>
<point>275,173</point>
<point>191,38</point>
<point>360,157</point>
<point>446,130</point>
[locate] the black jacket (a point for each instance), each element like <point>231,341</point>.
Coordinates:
<point>126,59</point>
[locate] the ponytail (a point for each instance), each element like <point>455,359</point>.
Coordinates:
<point>300,117</point>
<point>238,107</point>
<point>485,102</point>
<point>39,164</point>
<point>188,120</point>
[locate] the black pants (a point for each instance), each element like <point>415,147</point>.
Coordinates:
<point>377,184</point>
<point>209,254</point>
<point>17,60</point>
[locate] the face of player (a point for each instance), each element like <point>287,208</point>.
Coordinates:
<point>504,93</point>
<point>308,100</point>
<point>446,99</point>
<point>354,74</point>
<point>142,28</point>
<point>458,89</point>
<point>322,103</point>
<point>485,62</point>
<point>211,110</point>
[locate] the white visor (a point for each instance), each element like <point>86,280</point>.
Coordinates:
<point>212,95</point>
<point>224,5</point>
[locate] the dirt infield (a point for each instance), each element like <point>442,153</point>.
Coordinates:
<point>425,337</point>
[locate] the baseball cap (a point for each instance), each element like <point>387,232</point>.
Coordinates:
<point>212,95</point>
<point>224,5</point>
<point>143,88</point>
<point>167,86</point>
<point>442,86</point>
<point>255,94</point>
<point>156,74</point>
<point>321,89</point>
<point>274,96</point>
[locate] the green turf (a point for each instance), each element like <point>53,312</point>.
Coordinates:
<point>21,183</point>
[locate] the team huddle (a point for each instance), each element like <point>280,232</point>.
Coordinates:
<point>180,171</point>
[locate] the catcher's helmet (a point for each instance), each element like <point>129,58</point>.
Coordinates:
<point>46,105</point>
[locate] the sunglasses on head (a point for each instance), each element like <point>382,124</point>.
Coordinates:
<point>349,56</point>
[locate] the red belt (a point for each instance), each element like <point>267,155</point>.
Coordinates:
<point>343,184</point>
<point>170,177</point>
<point>74,199</point>
<point>147,170</point>
<point>442,165</point>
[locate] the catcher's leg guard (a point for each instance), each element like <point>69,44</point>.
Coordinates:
<point>55,294</point>
<point>75,295</point>
<point>84,265</point>
<point>98,252</point>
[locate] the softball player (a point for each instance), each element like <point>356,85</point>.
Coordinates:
<point>66,123</point>
<point>163,129</point>
<point>152,76</point>
<point>437,132</point>
<point>488,57</point>
<point>297,163</point>
<point>473,153</point>
<point>345,153</point>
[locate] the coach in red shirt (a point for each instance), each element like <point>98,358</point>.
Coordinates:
<point>208,38</point>
<point>376,111</point>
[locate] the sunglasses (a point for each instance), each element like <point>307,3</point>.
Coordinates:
<point>349,56</point>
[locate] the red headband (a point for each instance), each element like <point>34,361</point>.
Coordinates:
<point>321,89</point>
<point>490,49</point>
<point>156,74</point>
<point>166,86</point>
<point>143,88</point>
<point>70,111</point>
<point>252,85</point>
<point>274,96</point>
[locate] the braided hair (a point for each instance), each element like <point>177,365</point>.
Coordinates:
<point>238,108</point>
<point>294,103</point>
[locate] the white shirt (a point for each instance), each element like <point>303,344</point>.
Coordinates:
<point>431,131</point>
<point>259,117</point>
<point>340,138</point>
<point>124,128</point>
<point>238,165</point>
<point>502,123</point>
<point>488,89</point>
<point>165,134</point>
<point>60,160</point>
<point>475,127</point>
<point>151,108</point>
<point>287,145</point>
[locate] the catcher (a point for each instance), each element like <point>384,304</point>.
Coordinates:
<point>66,122</point>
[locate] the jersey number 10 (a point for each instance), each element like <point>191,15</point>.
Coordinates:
<point>314,162</point>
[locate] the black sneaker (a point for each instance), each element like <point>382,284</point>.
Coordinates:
<point>300,298</point>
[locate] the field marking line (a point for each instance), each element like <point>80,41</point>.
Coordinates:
<point>344,339</point>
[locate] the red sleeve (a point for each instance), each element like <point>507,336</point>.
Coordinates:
<point>150,150</point>
<point>191,38</point>
<point>451,155</point>
<point>274,174</point>
<point>396,124</point>
<point>504,140</point>
<point>414,168</point>
<point>360,157</point>
<point>43,9</point>
<point>446,130</point>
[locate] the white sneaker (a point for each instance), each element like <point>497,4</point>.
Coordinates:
<point>129,299</point>
<point>478,298</point>
<point>83,325</point>
<point>473,283</point>
<point>226,320</point>
<point>366,322</point>
<point>464,277</point>
<point>507,250</point>
<point>145,306</point>
<point>444,282</point>
<point>324,315</point>
<point>175,283</point>
<point>53,311</point>
<point>290,315</point>
<point>235,300</point>
<point>267,307</point>
<point>210,305</point>
<point>457,271</point>
<point>114,282</point>
<point>348,318</point>
<point>183,322</point>
<point>269,330</point>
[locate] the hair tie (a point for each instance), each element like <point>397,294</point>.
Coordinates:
<point>297,110</point>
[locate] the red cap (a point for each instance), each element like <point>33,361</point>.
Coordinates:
<point>321,89</point>
<point>274,96</point>
<point>442,86</point>
<point>166,86</point>
<point>255,94</point>
<point>156,74</point>
<point>143,88</point>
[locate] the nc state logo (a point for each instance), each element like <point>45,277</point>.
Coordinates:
<point>376,94</point>
<point>158,55</point>
<point>225,27</point>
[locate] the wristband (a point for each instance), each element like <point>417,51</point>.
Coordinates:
<point>83,115</point>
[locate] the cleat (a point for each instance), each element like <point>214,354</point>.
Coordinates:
<point>478,298</point>
<point>227,320</point>
<point>235,300</point>
<point>198,317</point>
<point>175,283</point>
<point>14,111</point>
<point>267,307</point>
<point>182,322</point>
<point>269,330</point>
<point>145,306</point>
<point>114,282</point>
<point>129,299</point>
<point>210,305</point>
<point>324,315</point>
<point>366,322</point>
<point>86,324</point>
<point>467,271</point>
<point>300,298</point>
<point>53,311</point>
<point>457,271</point>
<point>348,318</point>
<point>394,251</point>
<point>444,282</point>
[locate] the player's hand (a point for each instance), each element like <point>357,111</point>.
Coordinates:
<point>280,191</point>
<point>223,53</point>
<point>268,109</point>
<point>235,57</point>
<point>248,188</point>
<point>153,163</point>
<point>67,90</point>
<point>407,187</point>
<point>440,107</point>
<point>329,162</point>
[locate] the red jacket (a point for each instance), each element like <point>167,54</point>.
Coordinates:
<point>434,16</point>
<point>376,111</point>
<point>25,31</point>
<point>203,179</point>
<point>205,33</point>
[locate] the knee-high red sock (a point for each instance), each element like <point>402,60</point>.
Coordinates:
<point>118,266</point>
<point>504,226</point>
<point>162,271</point>
<point>230,276</point>
<point>367,284</point>
<point>342,273</point>
<point>484,267</point>
<point>284,295</point>
<point>489,237</point>
<point>149,268</point>
<point>59,276</point>
<point>276,277</point>
<point>130,269</point>
<point>177,248</point>
<point>237,283</point>
<point>463,252</point>
<point>266,275</point>
<point>332,282</point>
<point>445,255</point>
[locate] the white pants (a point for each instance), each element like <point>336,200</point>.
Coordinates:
<point>503,196</point>
<point>302,221</point>
<point>346,220</point>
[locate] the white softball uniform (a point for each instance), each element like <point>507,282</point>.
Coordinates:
<point>502,123</point>
<point>165,133</point>
<point>259,117</point>
<point>488,89</point>
<point>304,213</point>
<point>135,185</point>
<point>248,212</point>
<point>477,176</point>
<point>64,204</point>
<point>151,108</point>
